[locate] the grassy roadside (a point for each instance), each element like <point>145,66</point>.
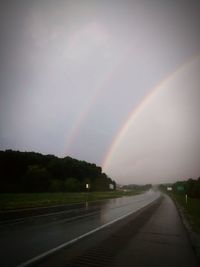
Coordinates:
<point>191,210</point>
<point>32,200</point>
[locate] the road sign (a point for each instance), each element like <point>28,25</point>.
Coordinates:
<point>180,188</point>
<point>169,188</point>
<point>111,186</point>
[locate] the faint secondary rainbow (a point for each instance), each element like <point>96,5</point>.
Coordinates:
<point>100,89</point>
<point>139,107</point>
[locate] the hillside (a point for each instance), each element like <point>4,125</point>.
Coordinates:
<point>34,172</point>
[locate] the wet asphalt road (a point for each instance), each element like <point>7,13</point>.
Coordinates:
<point>23,240</point>
<point>161,242</point>
<point>153,237</point>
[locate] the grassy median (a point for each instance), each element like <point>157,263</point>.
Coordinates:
<point>191,209</point>
<point>32,200</point>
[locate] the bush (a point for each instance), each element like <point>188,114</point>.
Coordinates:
<point>72,185</point>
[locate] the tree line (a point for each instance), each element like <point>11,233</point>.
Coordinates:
<point>191,187</point>
<point>28,172</point>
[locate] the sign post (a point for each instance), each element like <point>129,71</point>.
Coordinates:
<point>87,186</point>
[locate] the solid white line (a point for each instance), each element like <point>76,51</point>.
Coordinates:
<point>51,251</point>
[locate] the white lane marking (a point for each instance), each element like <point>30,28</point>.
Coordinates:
<point>51,251</point>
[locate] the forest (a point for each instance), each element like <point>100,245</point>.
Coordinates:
<point>30,172</point>
<point>191,187</point>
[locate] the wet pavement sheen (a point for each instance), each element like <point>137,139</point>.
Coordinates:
<point>162,242</point>
<point>29,238</point>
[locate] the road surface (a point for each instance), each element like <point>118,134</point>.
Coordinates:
<point>154,237</point>
<point>24,241</point>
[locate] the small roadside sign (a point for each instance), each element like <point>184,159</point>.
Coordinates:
<point>87,186</point>
<point>111,186</point>
<point>180,188</point>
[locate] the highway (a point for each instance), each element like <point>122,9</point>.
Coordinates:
<point>26,241</point>
<point>153,237</point>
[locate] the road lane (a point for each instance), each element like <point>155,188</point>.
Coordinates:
<point>47,213</point>
<point>162,241</point>
<point>26,240</point>
<point>154,237</point>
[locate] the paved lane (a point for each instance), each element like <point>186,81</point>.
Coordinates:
<point>153,237</point>
<point>25,240</point>
<point>161,242</point>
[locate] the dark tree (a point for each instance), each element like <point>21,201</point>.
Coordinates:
<point>34,172</point>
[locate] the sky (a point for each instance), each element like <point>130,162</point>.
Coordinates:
<point>115,83</point>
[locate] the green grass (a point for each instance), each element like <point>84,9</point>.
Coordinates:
<point>191,210</point>
<point>31,200</point>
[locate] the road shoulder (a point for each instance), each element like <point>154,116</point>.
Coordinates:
<point>162,241</point>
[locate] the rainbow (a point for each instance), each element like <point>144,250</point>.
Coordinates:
<point>99,90</point>
<point>140,106</point>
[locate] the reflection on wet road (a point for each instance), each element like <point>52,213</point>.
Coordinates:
<point>31,237</point>
<point>116,208</point>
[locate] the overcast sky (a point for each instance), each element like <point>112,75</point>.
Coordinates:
<point>116,83</point>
